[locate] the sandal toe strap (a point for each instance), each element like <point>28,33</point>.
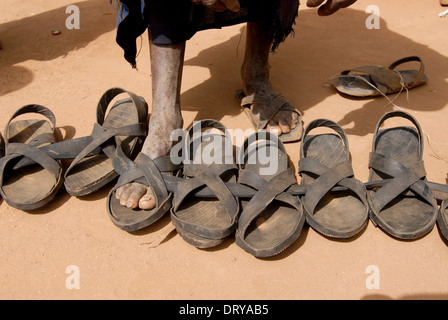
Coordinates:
<point>327,178</point>
<point>403,178</point>
<point>268,191</point>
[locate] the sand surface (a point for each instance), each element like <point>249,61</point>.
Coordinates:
<point>69,72</point>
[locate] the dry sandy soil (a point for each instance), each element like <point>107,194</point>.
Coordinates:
<point>68,73</point>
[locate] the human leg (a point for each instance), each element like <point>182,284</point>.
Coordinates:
<point>166,67</point>
<point>255,75</point>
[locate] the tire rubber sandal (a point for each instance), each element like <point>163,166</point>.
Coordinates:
<point>442,219</point>
<point>440,192</point>
<point>324,166</point>
<point>371,81</point>
<point>152,174</point>
<point>273,219</point>
<point>32,186</point>
<point>126,123</point>
<point>275,103</point>
<point>2,146</point>
<point>404,206</point>
<point>206,222</point>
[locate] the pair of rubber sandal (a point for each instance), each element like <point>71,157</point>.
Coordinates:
<point>246,197</point>
<point>398,198</point>
<point>31,170</point>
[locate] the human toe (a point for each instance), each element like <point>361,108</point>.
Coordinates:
<point>147,202</point>
<point>274,128</point>
<point>131,196</point>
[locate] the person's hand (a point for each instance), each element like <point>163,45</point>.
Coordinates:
<point>220,5</point>
<point>330,7</point>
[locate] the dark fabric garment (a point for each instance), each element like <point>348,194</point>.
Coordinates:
<point>180,20</point>
<point>175,21</point>
<point>130,25</point>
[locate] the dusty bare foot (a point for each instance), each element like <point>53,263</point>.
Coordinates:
<point>283,121</point>
<point>156,145</point>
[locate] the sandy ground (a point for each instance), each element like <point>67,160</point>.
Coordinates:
<point>68,73</point>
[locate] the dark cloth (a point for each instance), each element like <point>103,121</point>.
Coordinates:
<point>176,21</point>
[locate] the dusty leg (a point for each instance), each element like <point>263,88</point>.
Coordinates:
<point>255,75</point>
<point>166,66</point>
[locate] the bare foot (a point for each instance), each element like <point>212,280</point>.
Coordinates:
<point>255,75</point>
<point>156,145</point>
<point>283,121</point>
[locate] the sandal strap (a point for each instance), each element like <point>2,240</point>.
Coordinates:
<point>274,102</point>
<point>105,139</point>
<point>405,115</point>
<point>249,146</point>
<point>208,176</point>
<point>421,72</point>
<point>30,152</point>
<point>67,149</point>
<point>403,178</point>
<point>256,182</point>
<point>142,170</point>
<point>35,154</point>
<point>70,149</point>
<point>326,124</point>
<point>340,175</point>
<point>195,137</point>
<point>271,190</point>
<point>384,79</point>
<point>2,146</point>
<point>42,139</point>
<point>33,108</point>
<point>208,184</point>
<point>109,95</point>
<point>197,126</point>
